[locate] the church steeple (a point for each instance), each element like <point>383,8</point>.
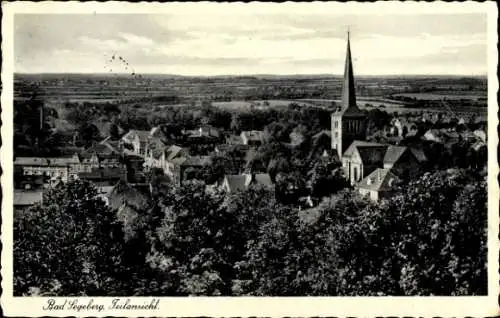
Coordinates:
<point>348,93</point>
<point>348,121</point>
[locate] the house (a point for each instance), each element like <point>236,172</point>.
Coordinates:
<point>362,158</point>
<point>104,177</point>
<point>171,157</point>
<point>252,137</point>
<point>241,182</point>
<point>50,168</point>
<point>190,166</point>
<point>441,136</point>
<point>203,134</point>
<point>378,185</point>
<point>137,141</point>
<point>154,155</point>
<point>181,166</point>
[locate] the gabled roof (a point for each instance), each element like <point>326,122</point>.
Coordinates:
<point>172,152</point>
<point>101,148</point>
<point>371,155</point>
<point>236,182</point>
<point>157,147</point>
<point>239,182</point>
<point>378,180</point>
<point>357,143</point>
<point>263,179</point>
<point>393,153</point>
<point>418,154</point>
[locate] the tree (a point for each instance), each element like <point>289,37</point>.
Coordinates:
<point>325,178</point>
<point>70,245</point>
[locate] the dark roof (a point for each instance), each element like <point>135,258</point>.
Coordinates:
<point>418,154</point>
<point>239,182</point>
<point>263,179</point>
<point>173,152</point>
<point>101,148</point>
<point>157,148</point>
<point>393,154</point>
<point>371,155</point>
<point>103,174</point>
<point>351,149</point>
<point>199,161</point>
<point>378,180</point>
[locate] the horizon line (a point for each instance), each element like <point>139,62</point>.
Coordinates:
<point>246,75</point>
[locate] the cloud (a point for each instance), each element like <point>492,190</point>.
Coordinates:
<point>241,43</point>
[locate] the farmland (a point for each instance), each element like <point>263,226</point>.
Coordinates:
<point>234,93</point>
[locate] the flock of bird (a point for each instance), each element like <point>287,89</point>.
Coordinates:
<point>119,63</point>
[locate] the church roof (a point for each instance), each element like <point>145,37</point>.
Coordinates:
<point>357,143</point>
<point>394,153</point>
<point>349,107</point>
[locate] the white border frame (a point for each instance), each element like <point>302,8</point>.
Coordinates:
<point>255,306</point>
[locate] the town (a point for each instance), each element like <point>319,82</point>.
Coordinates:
<point>248,186</point>
<point>375,150</point>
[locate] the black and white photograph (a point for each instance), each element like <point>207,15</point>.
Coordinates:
<point>268,152</point>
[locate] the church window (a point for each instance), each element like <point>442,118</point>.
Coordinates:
<point>336,124</point>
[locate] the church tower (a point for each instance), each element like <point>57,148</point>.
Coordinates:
<point>348,121</point>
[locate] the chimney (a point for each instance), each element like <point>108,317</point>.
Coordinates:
<point>41,117</point>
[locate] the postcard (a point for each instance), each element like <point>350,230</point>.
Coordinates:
<point>249,159</point>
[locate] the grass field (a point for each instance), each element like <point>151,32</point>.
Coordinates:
<point>444,95</point>
<point>258,104</point>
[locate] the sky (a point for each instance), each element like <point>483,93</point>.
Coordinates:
<point>240,44</point>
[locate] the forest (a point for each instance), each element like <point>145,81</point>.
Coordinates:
<point>429,240</point>
<point>169,240</point>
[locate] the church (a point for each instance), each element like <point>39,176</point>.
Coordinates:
<point>348,121</point>
<point>361,160</point>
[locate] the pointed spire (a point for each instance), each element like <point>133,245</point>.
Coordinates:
<point>348,93</point>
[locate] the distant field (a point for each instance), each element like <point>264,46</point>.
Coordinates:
<point>443,95</point>
<point>246,105</point>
